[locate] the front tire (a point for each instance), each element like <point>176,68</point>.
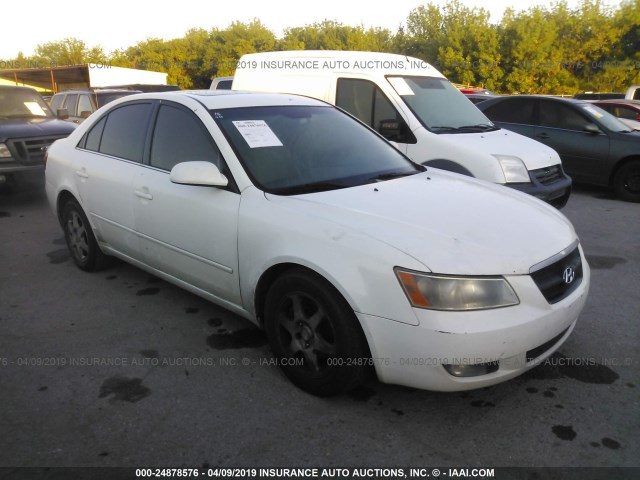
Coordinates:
<point>315,335</point>
<point>626,182</point>
<point>80,239</point>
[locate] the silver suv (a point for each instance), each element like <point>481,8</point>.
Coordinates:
<point>76,105</point>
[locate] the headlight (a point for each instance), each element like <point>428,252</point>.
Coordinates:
<point>439,292</point>
<point>4,151</point>
<point>513,169</point>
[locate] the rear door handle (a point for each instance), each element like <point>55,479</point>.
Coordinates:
<point>544,136</point>
<point>145,195</point>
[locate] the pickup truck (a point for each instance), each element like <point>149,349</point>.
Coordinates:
<point>27,128</point>
<point>633,93</point>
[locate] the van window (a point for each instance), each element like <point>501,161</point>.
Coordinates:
<point>365,101</point>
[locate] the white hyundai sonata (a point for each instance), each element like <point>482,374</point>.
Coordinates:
<point>296,216</point>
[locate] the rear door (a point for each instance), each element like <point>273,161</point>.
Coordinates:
<point>114,149</point>
<point>515,114</point>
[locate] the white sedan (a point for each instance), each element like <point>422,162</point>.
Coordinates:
<point>296,216</point>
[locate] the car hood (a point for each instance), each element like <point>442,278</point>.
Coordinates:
<point>33,127</point>
<point>504,142</point>
<point>449,223</point>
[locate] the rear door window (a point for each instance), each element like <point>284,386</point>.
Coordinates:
<point>122,132</point>
<point>517,110</point>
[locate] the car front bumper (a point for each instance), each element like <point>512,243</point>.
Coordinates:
<point>514,339</point>
<point>549,184</point>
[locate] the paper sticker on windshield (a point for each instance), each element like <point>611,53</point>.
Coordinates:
<point>257,133</point>
<point>401,86</point>
<point>593,112</point>
<point>35,109</point>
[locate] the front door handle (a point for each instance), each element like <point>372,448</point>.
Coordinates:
<point>544,136</point>
<point>145,195</point>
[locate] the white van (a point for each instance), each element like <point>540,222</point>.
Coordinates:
<point>414,106</point>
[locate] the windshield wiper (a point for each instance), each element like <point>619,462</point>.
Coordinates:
<point>309,188</point>
<point>388,176</point>
<point>484,127</point>
<point>481,127</point>
<point>439,127</point>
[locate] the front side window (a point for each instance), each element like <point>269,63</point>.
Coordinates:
<point>365,101</point>
<point>179,136</point>
<point>122,132</point>
<point>70,104</point>
<point>56,102</point>
<point>558,115</point>
<point>290,150</point>
<point>440,107</point>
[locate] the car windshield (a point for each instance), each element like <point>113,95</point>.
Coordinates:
<point>610,121</point>
<point>440,106</point>
<point>22,103</point>
<point>288,150</point>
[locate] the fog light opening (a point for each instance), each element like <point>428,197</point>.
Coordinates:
<point>473,370</point>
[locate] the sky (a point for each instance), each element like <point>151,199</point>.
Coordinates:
<point>122,23</point>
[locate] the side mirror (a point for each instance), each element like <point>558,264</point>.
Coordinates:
<point>62,113</point>
<point>85,114</point>
<point>592,128</point>
<point>198,173</point>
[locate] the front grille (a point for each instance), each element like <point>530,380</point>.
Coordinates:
<point>548,175</point>
<point>558,280</point>
<point>30,151</point>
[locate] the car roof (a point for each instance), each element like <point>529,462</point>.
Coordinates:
<point>97,91</point>
<point>574,101</point>
<point>230,98</point>
<point>621,101</point>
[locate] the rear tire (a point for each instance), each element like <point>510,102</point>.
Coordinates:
<point>626,181</point>
<point>80,239</point>
<point>315,335</point>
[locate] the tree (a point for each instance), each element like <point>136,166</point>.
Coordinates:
<point>332,35</point>
<point>457,40</point>
<point>237,39</point>
<point>69,51</point>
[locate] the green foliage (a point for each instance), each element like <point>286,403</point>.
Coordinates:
<point>331,35</point>
<point>555,49</point>
<point>457,40</point>
<point>69,51</point>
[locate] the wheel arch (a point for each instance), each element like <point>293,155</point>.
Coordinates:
<point>279,269</point>
<point>63,197</point>
<point>619,165</point>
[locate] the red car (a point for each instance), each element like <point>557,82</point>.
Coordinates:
<point>629,109</point>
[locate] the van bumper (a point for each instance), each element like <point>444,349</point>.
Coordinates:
<point>549,184</point>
